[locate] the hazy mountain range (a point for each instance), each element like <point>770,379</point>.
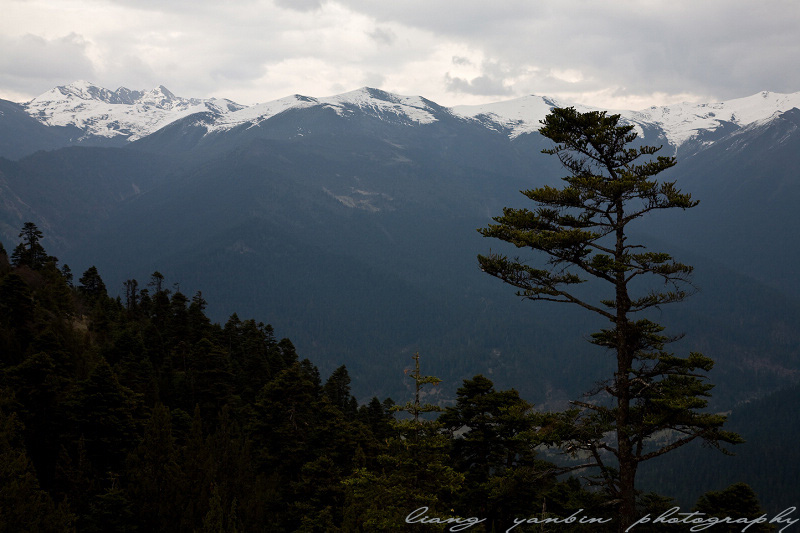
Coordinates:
<point>101,115</point>
<point>348,222</point>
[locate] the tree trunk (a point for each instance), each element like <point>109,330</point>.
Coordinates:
<point>627,461</point>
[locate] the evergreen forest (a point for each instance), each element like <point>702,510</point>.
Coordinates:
<point>138,414</point>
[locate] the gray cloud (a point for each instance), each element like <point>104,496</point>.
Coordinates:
<point>481,85</point>
<point>728,49</point>
<point>452,51</point>
<point>383,36</point>
<point>48,61</point>
<point>300,5</point>
<point>31,55</point>
<point>374,79</point>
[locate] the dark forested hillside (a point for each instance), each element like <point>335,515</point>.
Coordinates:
<point>768,460</point>
<point>140,414</point>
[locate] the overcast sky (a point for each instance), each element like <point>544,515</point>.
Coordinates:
<point>623,54</point>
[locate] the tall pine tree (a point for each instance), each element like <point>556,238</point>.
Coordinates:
<point>583,230</point>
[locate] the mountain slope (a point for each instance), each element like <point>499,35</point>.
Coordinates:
<point>363,247</point>
<point>748,187</point>
<point>21,134</point>
<point>351,222</point>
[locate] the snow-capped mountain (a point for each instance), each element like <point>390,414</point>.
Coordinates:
<point>410,110</point>
<point>122,113</point>
<point>515,117</point>
<point>131,115</point>
<point>678,123</point>
<point>357,213</point>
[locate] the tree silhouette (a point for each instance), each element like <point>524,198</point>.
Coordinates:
<point>583,231</point>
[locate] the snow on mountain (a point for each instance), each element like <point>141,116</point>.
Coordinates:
<point>679,122</point>
<point>130,114</point>
<point>136,114</point>
<point>682,122</point>
<point>515,117</point>
<point>406,109</point>
<point>409,109</point>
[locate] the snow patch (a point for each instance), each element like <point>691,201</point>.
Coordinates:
<point>361,199</point>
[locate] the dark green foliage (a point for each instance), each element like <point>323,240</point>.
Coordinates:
<point>494,453</point>
<point>337,391</point>
<point>378,418</point>
<point>769,460</point>
<point>110,511</point>
<point>493,446</point>
<point>16,318</point>
<point>412,471</point>
<point>654,505</point>
<point>154,475</point>
<point>30,252</point>
<point>101,412</point>
<point>737,501</point>
<point>96,432</point>
<point>582,230</point>
<point>24,506</point>
<point>91,285</point>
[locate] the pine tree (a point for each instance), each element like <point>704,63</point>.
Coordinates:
<point>30,251</point>
<point>101,412</point>
<point>582,229</point>
<point>131,294</point>
<point>337,391</point>
<point>91,285</point>
<point>16,318</point>
<point>493,447</point>
<point>738,501</point>
<point>413,471</point>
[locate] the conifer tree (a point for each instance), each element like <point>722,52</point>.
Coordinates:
<point>493,449</point>
<point>738,501</point>
<point>337,390</point>
<point>154,473</point>
<point>30,251</point>
<point>91,285</point>
<point>131,294</point>
<point>582,229</point>
<point>411,474</point>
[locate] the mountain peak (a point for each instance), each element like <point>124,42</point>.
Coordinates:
<point>82,89</point>
<point>131,114</point>
<point>123,114</point>
<point>386,105</point>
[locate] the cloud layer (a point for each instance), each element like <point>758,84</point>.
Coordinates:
<point>623,54</point>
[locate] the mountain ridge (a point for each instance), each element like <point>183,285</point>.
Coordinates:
<point>128,115</point>
<point>352,225</point>
<point>99,112</point>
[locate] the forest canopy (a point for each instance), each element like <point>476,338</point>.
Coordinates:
<point>140,414</point>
